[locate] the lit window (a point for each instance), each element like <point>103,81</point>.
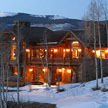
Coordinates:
<point>68,70</point>
<point>13,50</point>
<point>42,53</point>
<point>59,70</point>
<point>98,53</point>
<point>13,38</point>
<point>55,50</point>
<point>106,51</point>
<point>75,44</point>
<point>15,73</point>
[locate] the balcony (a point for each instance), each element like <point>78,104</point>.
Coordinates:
<point>54,61</point>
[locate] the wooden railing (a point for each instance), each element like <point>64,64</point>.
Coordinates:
<point>54,61</point>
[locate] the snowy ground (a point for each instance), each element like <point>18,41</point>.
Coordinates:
<point>75,95</point>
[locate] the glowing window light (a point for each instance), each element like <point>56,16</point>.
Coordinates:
<point>51,50</point>
<point>63,69</point>
<point>75,42</point>
<point>79,50</point>
<point>55,50</point>
<point>45,50</point>
<point>13,54</point>
<point>13,38</point>
<point>98,52</point>
<point>27,50</point>
<point>30,70</point>
<point>15,73</point>
<point>106,51</point>
<point>44,70</point>
<point>60,70</point>
<point>64,50</point>
<point>68,70</point>
<point>93,51</point>
<point>67,50</point>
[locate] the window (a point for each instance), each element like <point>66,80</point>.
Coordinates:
<point>76,49</point>
<point>13,52</point>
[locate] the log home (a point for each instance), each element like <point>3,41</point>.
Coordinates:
<point>64,56</point>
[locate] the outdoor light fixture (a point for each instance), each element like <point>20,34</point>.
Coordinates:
<point>30,70</point>
<point>63,69</point>
<point>67,50</point>
<point>93,51</point>
<point>45,50</point>
<point>27,50</point>
<point>60,70</point>
<point>79,50</point>
<point>64,50</point>
<point>44,69</point>
<point>51,50</point>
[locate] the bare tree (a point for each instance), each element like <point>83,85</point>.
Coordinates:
<point>48,72</point>
<point>105,16</point>
<point>96,12</point>
<point>18,41</point>
<point>99,15</point>
<point>91,17</point>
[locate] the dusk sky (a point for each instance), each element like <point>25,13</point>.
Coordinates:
<point>68,8</point>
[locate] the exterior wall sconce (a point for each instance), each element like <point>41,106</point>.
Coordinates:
<point>27,50</point>
<point>79,50</point>
<point>30,70</point>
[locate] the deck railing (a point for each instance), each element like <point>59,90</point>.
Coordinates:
<point>56,61</point>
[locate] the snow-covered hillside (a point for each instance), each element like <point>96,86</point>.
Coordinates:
<point>53,22</point>
<point>75,95</point>
<point>55,27</point>
<point>54,17</point>
<point>5,14</point>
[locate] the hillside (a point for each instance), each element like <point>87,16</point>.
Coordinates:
<point>53,22</point>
